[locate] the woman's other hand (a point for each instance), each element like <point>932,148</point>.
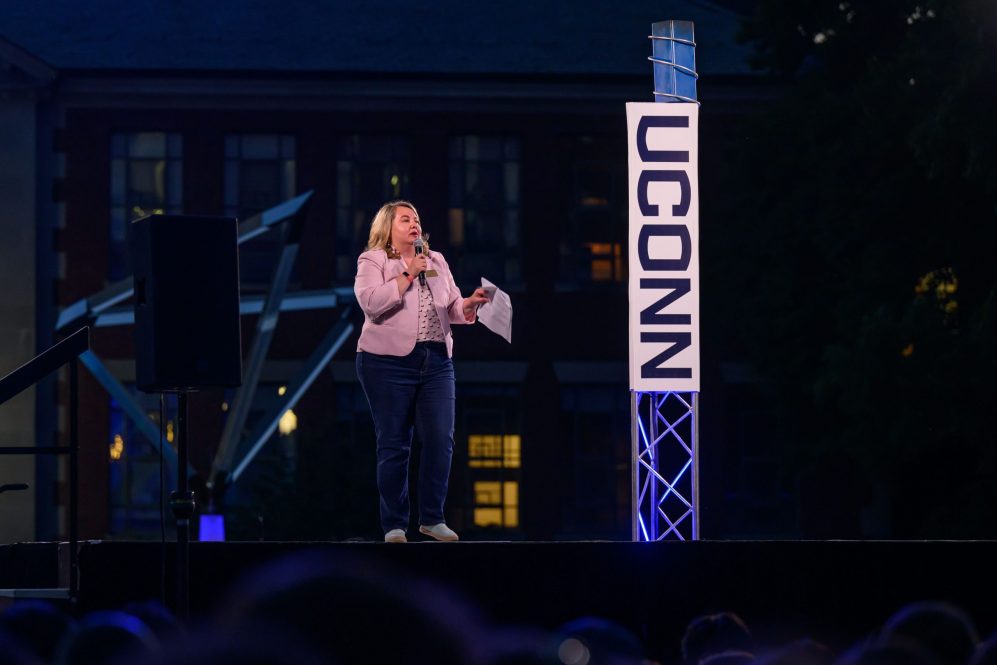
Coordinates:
<point>472,302</point>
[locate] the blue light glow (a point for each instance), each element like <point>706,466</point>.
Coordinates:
<point>664,446</point>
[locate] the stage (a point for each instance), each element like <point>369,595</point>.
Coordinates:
<point>833,590</point>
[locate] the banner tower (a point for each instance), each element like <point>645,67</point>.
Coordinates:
<point>663,288</point>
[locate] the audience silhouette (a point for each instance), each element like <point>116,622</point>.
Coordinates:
<point>316,609</point>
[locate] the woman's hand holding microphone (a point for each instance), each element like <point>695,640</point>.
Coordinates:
<point>417,264</point>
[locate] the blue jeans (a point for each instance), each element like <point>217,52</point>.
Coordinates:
<point>405,391</point>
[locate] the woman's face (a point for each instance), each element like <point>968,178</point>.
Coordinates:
<point>405,228</point>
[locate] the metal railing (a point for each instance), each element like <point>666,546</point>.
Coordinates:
<point>68,351</point>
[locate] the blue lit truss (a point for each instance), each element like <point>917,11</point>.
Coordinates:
<point>665,470</point>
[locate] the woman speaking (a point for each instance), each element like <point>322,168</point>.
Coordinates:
<point>409,300</point>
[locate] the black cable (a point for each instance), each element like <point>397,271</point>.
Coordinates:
<point>162,510</point>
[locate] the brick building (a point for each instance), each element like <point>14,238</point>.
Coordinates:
<point>504,124</point>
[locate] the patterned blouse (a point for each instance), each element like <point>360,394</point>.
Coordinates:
<point>430,328</point>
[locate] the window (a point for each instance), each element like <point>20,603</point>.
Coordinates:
<point>595,227</point>
<point>134,469</point>
<point>496,504</point>
<point>370,171</point>
<point>484,208</point>
<point>493,451</point>
<point>596,419</point>
<point>488,424</point>
<point>145,179</point>
<point>259,174</point>
<point>496,499</point>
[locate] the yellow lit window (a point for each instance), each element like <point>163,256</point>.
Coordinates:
<point>496,504</point>
<point>510,505</point>
<point>606,262</point>
<point>493,451</point>
<point>456,219</point>
<point>487,517</point>
<point>484,445</point>
<point>510,448</point>
<point>487,493</point>
<point>602,271</point>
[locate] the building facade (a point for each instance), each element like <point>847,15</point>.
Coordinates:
<point>518,169</point>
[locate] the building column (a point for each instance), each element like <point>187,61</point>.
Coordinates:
<point>17,308</point>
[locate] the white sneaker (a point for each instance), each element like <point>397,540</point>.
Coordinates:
<point>440,532</point>
<point>395,536</point>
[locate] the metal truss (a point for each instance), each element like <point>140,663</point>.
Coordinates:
<point>665,474</point>
<point>108,308</point>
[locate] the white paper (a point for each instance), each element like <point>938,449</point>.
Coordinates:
<point>496,314</point>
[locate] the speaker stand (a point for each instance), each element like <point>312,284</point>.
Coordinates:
<point>182,505</point>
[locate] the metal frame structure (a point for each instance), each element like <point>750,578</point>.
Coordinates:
<point>664,426</point>
<point>665,469</point>
<point>66,352</point>
<point>108,308</point>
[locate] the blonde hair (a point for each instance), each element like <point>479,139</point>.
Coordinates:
<point>380,227</point>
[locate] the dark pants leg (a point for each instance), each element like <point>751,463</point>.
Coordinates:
<point>417,389</point>
<point>434,424</point>
<point>390,384</point>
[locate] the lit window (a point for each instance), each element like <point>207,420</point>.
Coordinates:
<point>133,470</point>
<point>146,179</point>
<point>594,226</point>
<point>487,493</point>
<point>606,260</point>
<point>496,504</point>
<point>493,451</point>
<point>487,517</point>
<point>483,213</point>
<point>510,505</point>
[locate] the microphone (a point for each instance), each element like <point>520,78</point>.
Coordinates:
<point>419,246</point>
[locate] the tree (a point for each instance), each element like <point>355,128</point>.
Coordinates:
<point>876,175</point>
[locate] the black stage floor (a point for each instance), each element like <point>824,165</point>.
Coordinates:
<point>833,590</point>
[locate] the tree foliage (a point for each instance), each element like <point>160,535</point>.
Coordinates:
<point>870,185</point>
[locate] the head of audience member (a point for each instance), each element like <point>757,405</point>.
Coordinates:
<point>729,658</point>
<point>804,651</point>
<point>596,641</point>
<point>943,630</point>
<point>986,652</point>
<point>258,645</point>
<point>163,623</point>
<point>713,634</point>
<point>889,651</point>
<point>104,637</point>
<point>355,611</point>
<point>13,652</point>
<point>38,626</point>
<point>519,645</point>
<point>800,652</point>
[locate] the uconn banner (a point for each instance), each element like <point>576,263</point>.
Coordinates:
<point>664,246</point>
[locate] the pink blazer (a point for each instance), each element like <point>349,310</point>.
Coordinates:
<point>391,321</point>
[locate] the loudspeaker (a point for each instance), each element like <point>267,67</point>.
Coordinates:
<point>186,271</point>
